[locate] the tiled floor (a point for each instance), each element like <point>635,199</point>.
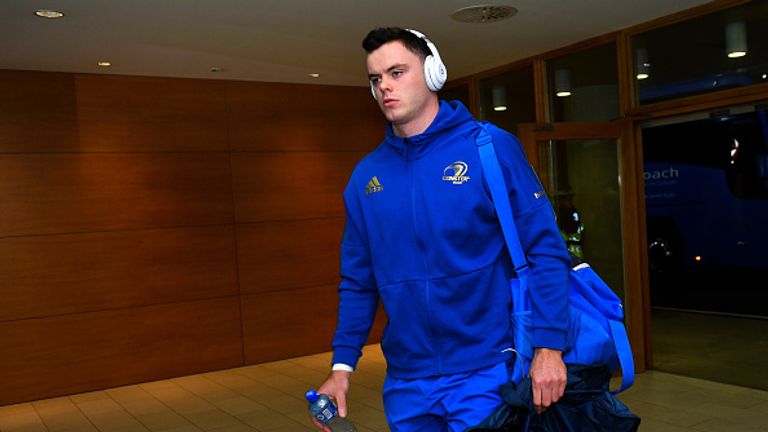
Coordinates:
<point>683,344</point>
<point>269,398</point>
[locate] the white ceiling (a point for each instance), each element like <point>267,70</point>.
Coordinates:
<point>285,40</point>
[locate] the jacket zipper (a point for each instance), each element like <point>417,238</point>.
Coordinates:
<point>423,251</point>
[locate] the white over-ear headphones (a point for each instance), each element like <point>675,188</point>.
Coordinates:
<point>435,73</point>
<point>434,70</point>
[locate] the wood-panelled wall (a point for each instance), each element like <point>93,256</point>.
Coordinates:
<point>156,227</point>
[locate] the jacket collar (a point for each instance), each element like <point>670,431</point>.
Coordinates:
<point>450,115</point>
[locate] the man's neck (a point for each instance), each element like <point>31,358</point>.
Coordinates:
<point>420,124</point>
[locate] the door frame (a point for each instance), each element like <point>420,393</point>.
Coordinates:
<point>636,285</point>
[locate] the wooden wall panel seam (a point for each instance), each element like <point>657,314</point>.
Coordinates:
<point>122,308</point>
<point>116,230</point>
<point>228,120</point>
<point>298,219</point>
<point>295,288</point>
<point>105,152</point>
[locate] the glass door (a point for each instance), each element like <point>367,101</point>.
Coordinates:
<point>590,173</point>
<point>582,180</point>
<point>706,198</point>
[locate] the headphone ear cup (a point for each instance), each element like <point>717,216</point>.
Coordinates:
<point>429,72</point>
<point>434,73</point>
<point>441,74</point>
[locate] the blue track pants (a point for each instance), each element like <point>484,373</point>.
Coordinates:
<point>448,403</point>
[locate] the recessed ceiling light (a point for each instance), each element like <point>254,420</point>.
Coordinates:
<point>48,13</point>
<point>314,75</point>
<point>104,64</point>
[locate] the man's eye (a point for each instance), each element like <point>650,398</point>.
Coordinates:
<point>375,80</point>
<point>397,73</point>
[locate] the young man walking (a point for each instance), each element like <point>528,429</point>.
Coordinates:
<point>422,236</point>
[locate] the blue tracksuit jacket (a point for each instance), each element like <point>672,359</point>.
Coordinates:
<point>421,235</point>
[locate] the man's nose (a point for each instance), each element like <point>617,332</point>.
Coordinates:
<point>384,84</point>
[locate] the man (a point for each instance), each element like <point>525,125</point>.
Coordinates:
<point>421,235</point>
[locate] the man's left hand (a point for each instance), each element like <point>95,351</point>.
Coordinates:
<point>548,376</point>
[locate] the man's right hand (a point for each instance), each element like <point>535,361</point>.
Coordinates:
<point>336,387</point>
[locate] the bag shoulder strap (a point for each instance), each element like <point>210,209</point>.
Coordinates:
<point>499,194</point>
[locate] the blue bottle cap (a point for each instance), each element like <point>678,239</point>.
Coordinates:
<point>311,395</point>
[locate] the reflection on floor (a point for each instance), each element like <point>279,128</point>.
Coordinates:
<point>720,348</point>
<point>269,398</point>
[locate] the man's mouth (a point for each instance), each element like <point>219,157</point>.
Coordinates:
<point>388,102</point>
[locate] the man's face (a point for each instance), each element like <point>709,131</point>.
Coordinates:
<point>397,76</point>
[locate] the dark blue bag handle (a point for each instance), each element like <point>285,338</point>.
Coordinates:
<point>498,189</point>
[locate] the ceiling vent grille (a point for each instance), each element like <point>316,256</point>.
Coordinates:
<point>483,13</point>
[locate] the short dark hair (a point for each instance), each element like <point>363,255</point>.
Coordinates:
<point>382,35</point>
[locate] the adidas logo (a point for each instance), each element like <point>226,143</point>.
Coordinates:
<point>373,186</point>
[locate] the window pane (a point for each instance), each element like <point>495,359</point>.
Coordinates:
<point>508,99</point>
<point>587,202</point>
<point>714,52</point>
<point>583,86</point>
<point>459,93</point>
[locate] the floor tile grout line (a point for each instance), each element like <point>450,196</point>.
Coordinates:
<point>106,392</point>
<point>241,395</point>
<point>361,370</point>
<point>37,413</point>
<point>170,408</point>
<point>270,409</point>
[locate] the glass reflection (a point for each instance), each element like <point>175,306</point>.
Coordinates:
<point>507,99</point>
<point>583,86</point>
<point>723,50</point>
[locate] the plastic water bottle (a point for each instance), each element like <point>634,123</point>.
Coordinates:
<point>324,410</point>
